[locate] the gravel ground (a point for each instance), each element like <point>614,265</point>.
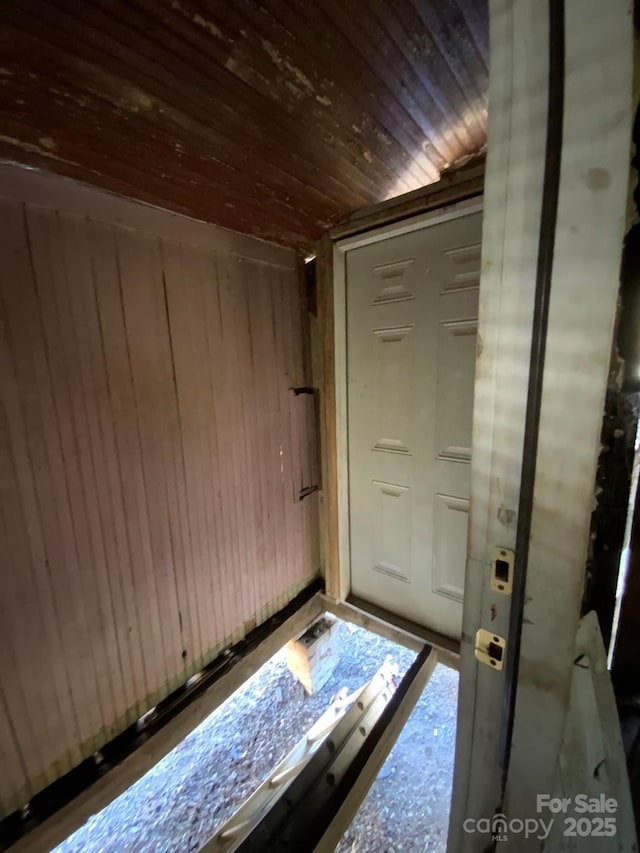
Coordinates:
<point>178,805</point>
<point>407,808</point>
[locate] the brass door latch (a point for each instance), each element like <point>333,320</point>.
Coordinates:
<point>490,649</point>
<point>502,570</point>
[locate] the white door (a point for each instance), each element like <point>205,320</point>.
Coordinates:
<point>411,350</point>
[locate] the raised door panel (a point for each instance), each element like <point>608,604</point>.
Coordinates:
<point>411,349</point>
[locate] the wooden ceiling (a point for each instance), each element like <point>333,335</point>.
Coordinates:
<point>275,118</point>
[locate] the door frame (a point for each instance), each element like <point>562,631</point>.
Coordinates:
<point>460,196</point>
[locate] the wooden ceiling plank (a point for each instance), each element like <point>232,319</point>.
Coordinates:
<point>366,37</point>
<point>323,30</point>
<point>138,134</point>
<point>473,16</point>
<point>404,117</point>
<point>453,37</point>
<point>249,107</point>
<point>254,64</point>
<point>96,43</point>
<point>427,92</point>
<point>427,47</point>
<point>338,93</point>
<point>258,109</point>
<point>276,119</point>
<point>148,186</point>
<point>10,152</point>
<point>321,177</point>
<point>427,78</point>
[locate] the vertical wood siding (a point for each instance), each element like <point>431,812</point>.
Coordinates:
<point>152,456</point>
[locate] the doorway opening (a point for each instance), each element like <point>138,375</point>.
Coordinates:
<point>199,786</point>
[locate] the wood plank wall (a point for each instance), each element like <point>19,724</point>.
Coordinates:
<point>152,456</point>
